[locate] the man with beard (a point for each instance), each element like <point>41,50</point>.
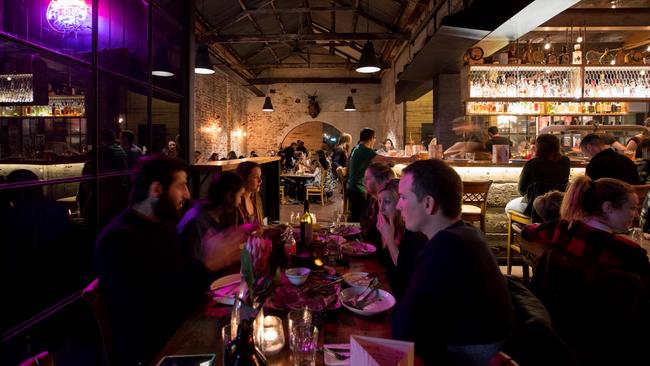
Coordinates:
<point>144,277</point>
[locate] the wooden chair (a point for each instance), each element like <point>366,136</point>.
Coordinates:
<point>319,190</point>
<point>283,199</point>
<point>475,201</point>
<point>92,296</point>
<point>530,252</point>
<point>343,179</point>
<point>515,219</point>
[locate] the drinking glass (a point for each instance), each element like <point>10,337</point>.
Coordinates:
<point>226,337</point>
<point>297,317</point>
<point>305,344</point>
<point>470,156</point>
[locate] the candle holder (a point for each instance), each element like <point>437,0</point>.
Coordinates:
<point>271,340</point>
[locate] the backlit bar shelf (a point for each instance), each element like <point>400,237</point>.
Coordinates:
<point>58,106</point>
<point>617,82</point>
<point>524,82</point>
<point>539,108</point>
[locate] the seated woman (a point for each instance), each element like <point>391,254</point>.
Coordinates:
<point>211,232</point>
<point>376,175</point>
<point>634,143</point>
<point>548,170</point>
<point>400,247</point>
<point>594,282</point>
<point>250,206</point>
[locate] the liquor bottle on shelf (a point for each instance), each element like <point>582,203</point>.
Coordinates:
<point>565,58</point>
<point>577,55</point>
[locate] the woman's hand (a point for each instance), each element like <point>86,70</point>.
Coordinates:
<point>386,228</point>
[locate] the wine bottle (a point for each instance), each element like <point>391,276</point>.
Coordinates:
<point>306,223</point>
<point>242,351</point>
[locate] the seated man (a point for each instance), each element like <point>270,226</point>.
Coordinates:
<point>605,162</point>
<point>457,307</point>
<point>138,260</point>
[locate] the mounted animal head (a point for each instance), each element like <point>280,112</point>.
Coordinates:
<point>314,108</point>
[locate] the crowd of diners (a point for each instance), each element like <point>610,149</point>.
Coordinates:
<point>155,261</point>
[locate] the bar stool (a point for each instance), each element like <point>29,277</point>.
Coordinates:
<point>475,201</point>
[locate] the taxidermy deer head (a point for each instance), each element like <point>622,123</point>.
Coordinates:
<point>314,108</point>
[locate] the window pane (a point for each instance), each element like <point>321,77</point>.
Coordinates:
<point>166,121</point>
<point>47,136</point>
<point>123,37</point>
<point>175,9</point>
<point>47,249</point>
<point>34,21</point>
<point>166,53</point>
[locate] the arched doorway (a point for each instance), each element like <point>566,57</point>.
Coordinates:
<point>314,134</point>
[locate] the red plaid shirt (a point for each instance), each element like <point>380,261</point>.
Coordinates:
<point>597,246</point>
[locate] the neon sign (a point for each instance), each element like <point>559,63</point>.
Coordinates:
<point>67,15</point>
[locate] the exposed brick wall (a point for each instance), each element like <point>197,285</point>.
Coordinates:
<point>311,133</point>
<point>392,115</point>
<point>219,113</point>
<point>266,130</point>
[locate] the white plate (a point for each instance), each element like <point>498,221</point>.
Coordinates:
<point>357,279</point>
<point>358,249</point>
<point>225,288</point>
<point>385,302</point>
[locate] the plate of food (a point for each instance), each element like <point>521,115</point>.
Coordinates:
<point>377,302</point>
<point>315,292</point>
<point>225,289</point>
<point>358,249</point>
<point>348,231</point>
<point>357,279</point>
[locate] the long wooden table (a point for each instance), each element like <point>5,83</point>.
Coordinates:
<point>201,332</point>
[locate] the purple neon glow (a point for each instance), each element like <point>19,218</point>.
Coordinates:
<point>67,15</point>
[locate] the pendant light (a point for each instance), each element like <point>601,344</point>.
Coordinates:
<point>202,62</point>
<point>368,61</point>
<point>161,65</point>
<point>268,106</point>
<point>349,104</point>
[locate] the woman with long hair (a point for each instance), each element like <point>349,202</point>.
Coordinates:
<point>374,178</point>
<point>399,246</point>
<point>251,203</point>
<point>342,152</point>
<point>548,170</point>
<point>386,146</point>
<point>594,282</point>
<point>211,231</point>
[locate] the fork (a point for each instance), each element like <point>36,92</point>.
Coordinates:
<point>365,293</point>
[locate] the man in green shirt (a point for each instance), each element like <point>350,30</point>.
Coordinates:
<point>362,155</point>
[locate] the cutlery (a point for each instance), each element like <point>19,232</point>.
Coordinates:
<point>337,355</point>
<point>365,293</point>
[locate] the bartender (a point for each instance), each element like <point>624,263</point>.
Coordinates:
<point>495,139</point>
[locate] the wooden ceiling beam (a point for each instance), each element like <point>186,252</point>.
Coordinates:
<point>275,38</point>
<point>266,81</point>
<point>590,17</point>
<point>371,18</point>
<point>355,16</point>
<point>301,65</point>
<point>258,28</point>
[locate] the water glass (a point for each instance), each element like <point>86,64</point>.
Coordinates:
<point>297,317</point>
<point>226,337</point>
<point>305,344</point>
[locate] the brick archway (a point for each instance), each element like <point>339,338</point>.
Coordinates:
<point>312,133</point>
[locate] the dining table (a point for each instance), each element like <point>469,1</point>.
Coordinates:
<point>300,180</point>
<point>201,331</point>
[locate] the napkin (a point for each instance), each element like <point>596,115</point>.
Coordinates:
<point>331,360</point>
<point>370,351</point>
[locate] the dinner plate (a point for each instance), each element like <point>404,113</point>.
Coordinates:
<point>518,160</point>
<point>385,301</point>
<point>225,289</point>
<point>358,249</point>
<point>357,279</point>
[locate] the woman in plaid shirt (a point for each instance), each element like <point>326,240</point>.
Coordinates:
<point>594,282</point>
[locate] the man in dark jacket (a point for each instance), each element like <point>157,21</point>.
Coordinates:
<point>147,282</point>
<point>605,162</point>
<point>457,307</point>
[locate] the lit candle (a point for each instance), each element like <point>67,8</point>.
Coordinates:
<point>273,335</point>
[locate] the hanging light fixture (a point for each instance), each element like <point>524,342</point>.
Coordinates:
<point>368,61</point>
<point>202,63</point>
<point>161,65</point>
<point>349,103</point>
<point>268,106</point>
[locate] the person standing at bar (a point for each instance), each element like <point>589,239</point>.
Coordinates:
<point>495,139</point>
<point>138,260</point>
<point>457,306</point>
<point>133,152</point>
<point>362,155</point>
<point>251,202</point>
<point>341,153</point>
